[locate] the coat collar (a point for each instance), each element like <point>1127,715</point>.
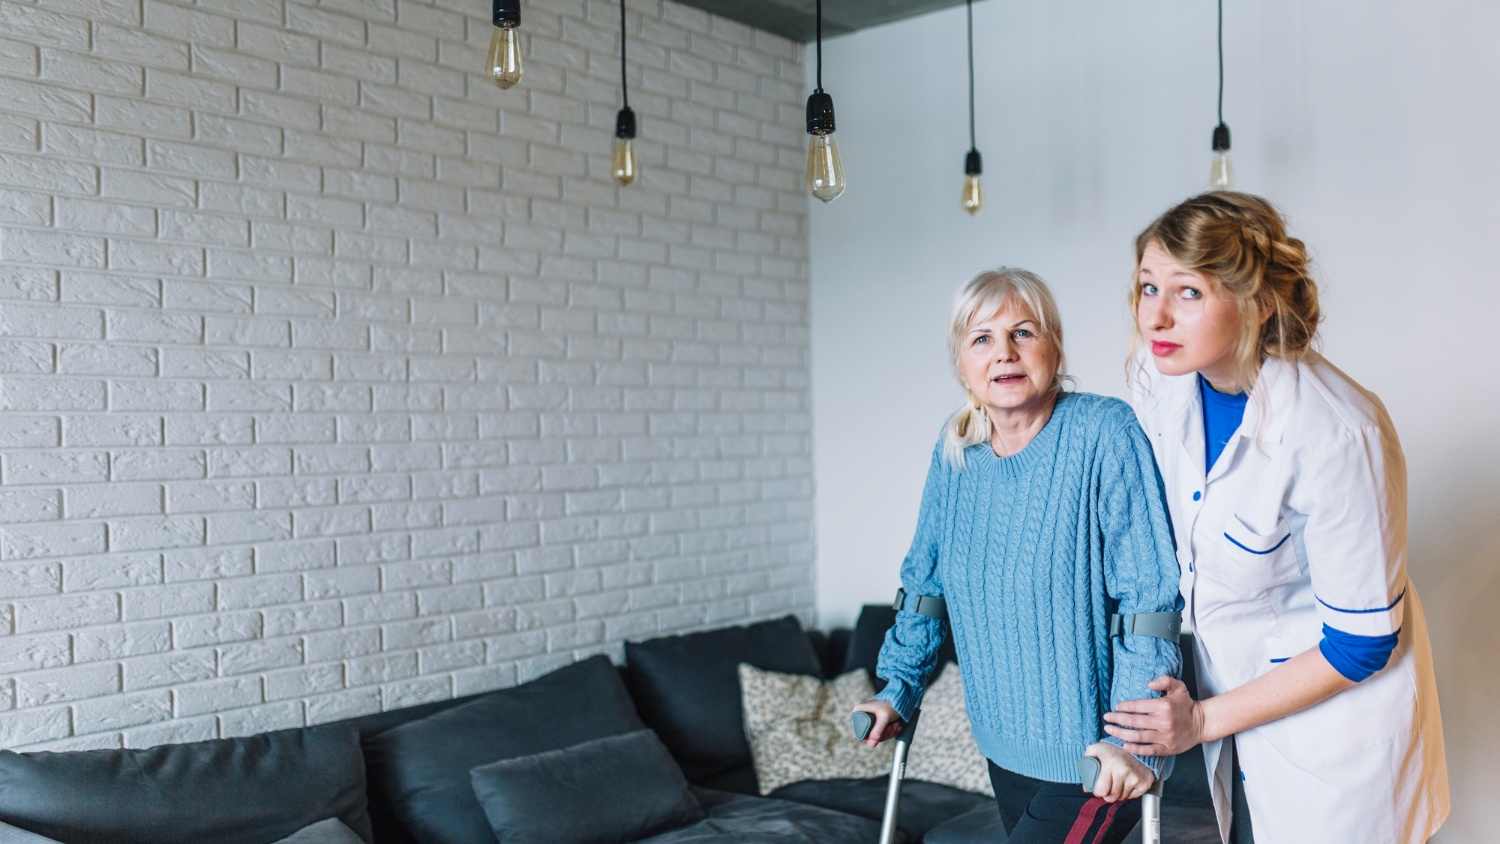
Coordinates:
<point>1265,412</point>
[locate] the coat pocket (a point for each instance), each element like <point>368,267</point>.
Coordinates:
<point>1258,561</point>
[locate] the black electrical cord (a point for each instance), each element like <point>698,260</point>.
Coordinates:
<point>624,95</point>
<point>1221,62</point>
<point>972,143</point>
<point>820,47</point>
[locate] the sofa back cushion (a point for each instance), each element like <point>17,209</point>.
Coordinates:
<point>687,688</point>
<point>229,791</point>
<point>421,768</point>
<point>606,791</point>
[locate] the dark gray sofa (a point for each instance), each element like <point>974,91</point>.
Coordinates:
<point>401,777</point>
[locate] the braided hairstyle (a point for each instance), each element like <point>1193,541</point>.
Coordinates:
<point>1240,243</point>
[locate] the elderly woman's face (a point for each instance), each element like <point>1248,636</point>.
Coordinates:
<point>1006,362</point>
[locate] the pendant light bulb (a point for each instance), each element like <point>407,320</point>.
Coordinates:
<point>825,170</point>
<point>504,62</point>
<point>1221,175</point>
<point>624,168</point>
<point>973,190</point>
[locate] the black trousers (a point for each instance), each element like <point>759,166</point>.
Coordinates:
<point>1039,812</point>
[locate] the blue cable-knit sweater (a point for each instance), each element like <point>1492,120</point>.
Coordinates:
<point>1033,552</point>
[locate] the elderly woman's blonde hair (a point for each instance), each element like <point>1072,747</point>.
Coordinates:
<point>984,296</point>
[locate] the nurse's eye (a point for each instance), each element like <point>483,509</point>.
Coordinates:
<point>1192,293</point>
<point>1148,289</point>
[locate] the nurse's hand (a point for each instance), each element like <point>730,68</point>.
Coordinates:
<point>1121,776</point>
<point>887,723</point>
<point>1162,726</point>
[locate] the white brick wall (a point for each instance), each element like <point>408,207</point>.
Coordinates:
<point>334,379</point>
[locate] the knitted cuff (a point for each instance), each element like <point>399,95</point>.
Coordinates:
<point>904,698</point>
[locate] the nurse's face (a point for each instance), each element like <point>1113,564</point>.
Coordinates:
<point>1189,324</point>
<point>1007,363</point>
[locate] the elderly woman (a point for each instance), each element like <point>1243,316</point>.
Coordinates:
<point>1043,514</point>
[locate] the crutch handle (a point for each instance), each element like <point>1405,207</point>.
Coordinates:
<point>862,722</point>
<point>1088,774</point>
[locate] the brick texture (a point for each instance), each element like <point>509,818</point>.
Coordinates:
<point>334,379</point>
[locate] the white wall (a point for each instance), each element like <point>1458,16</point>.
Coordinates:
<point>1373,125</point>
<point>336,379</point>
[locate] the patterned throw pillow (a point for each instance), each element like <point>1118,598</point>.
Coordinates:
<point>798,727</point>
<point>944,751</point>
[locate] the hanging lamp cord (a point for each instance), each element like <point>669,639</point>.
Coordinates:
<point>1221,62</point>
<point>624,95</point>
<point>973,145</point>
<point>820,47</point>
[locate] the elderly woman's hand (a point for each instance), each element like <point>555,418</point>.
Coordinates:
<point>1121,776</point>
<point>888,724</point>
<point>1163,726</point>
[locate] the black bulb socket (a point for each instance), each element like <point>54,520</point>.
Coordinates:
<point>973,163</point>
<point>507,13</point>
<point>820,114</point>
<point>1221,138</point>
<point>625,123</point>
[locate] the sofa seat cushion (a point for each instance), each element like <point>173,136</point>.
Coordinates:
<point>924,805</point>
<point>421,768</point>
<point>250,790</point>
<point>742,819</point>
<point>331,831</point>
<point>687,688</point>
<point>606,791</point>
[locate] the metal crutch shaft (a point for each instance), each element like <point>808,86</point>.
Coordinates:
<point>862,723</point>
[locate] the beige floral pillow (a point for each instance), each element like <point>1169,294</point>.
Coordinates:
<point>798,727</point>
<point>944,751</point>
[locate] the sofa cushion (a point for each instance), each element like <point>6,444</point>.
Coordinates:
<point>15,835</point>
<point>243,791</point>
<point>924,805</point>
<point>798,727</point>
<point>740,819</point>
<point>606,791</point>
<point>980,825</point>
<point>869,635</point>
<point>331,831</point>
<point>687,688</point>
<point>421,768</point>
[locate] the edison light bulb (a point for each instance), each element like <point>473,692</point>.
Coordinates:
<point>1221,177</point>
<point>825,171</point>
<point>624,165</point>
<point>505,56</point>
<point>973,194</point>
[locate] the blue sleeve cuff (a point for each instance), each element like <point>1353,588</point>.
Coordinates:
<point>904,698</point>
<point>1357,657</point>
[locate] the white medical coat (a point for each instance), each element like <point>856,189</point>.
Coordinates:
<point>1301,523</point>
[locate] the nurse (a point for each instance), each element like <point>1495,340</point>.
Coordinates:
<point>1317,706</point>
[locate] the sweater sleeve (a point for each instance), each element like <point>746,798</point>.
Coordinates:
<point>1140,567</point>
<point>911,645</point>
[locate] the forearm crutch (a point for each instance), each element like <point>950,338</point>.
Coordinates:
<point>1088,772</point>
<point>862,722</point>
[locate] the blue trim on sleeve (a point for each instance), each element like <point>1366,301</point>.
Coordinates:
<point>1357,657</point>
<point>1337,609</point>
<point>1267,551</point>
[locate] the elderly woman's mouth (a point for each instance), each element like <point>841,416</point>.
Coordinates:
<point>1010,378</point>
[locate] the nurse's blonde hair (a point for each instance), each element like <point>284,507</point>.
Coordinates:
<point>1240,243</point>
<point>985,295</point>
